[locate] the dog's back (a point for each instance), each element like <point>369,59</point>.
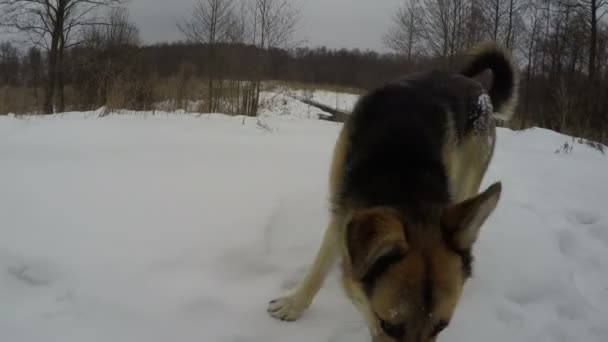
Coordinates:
<point>425,139</point>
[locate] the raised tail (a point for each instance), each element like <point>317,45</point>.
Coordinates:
<point>504,87</point>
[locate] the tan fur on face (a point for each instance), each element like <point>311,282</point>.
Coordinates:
<point>429,271</point>
<point>411,275</point>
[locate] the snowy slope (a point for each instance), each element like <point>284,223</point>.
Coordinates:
<point>281,102</point>
<point>181,228</point>
<point>337,100</point>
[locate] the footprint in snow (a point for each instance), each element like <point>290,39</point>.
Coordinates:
<point>65,305</point>
<point>529,293</point>
<point>600,232</point>
<point>569,312</point>
<point>244,263</point>
<point>509,316</point>
<point>593,289</point>
<point>599,331</point>
<point>560,334</point>
<point>584,218</point>
<point>595,225</point>
<point>204,306</point>
<point>569,244</point>
<point>32,275</point>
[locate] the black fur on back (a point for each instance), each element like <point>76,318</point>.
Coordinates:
<point>396,134</point>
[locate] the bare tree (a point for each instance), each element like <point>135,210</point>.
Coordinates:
<point>275,23</point>
<point>265,24</point>
<point>494,13</point>
<point>209,23</point>
<point>9,64</point>
<point>563,104</point>
<point>404,37</point>
<point>476,26</point>
<point>54,26</point>
<point>446,23</point>
<point>238,27</point>
<point>504,20</point>
<point>593,11</point>
<point>107,48</point>
<point>120,29</point>
<point>530,53</point>
<point>33,67</point>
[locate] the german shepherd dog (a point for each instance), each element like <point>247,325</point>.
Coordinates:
<point>405,203</point>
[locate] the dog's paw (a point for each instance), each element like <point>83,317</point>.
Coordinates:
<point>288,308</point>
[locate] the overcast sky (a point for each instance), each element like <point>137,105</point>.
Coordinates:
<point>333,23</point>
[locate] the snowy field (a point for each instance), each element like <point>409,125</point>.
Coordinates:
<point>181,228</point>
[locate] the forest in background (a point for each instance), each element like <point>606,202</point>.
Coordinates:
<point>82,55</point>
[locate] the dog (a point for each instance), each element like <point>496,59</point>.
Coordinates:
<point>406,207</point>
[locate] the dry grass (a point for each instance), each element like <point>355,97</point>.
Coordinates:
<point>312,87</point>
<point>190,95</point>
<point>174,93</point>
<point>177,93</point>
<point>18,100</point>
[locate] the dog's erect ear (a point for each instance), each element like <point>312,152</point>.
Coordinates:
<point>374,238</point>
<point>461,222</point>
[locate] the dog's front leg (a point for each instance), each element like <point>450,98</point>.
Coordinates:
<point>290,308</point>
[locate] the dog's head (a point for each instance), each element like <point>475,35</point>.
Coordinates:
<point>410,274</point>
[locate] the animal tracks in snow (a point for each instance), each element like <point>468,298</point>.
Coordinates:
<point>584,217</point>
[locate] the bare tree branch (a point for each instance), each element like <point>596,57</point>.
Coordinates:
<point>405,36</point>
<point>53,25</point>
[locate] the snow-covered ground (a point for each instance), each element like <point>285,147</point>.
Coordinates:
<point>281,102</point>
<point>181,228</point>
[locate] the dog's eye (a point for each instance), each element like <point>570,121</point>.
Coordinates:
<point>392,330</point>
<point>439,328</point>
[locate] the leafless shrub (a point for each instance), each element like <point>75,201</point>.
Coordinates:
<point>405,36</point>
<point>260,124</point>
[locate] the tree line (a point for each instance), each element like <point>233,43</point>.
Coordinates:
<point>233,48</point>
<point>561,47</point>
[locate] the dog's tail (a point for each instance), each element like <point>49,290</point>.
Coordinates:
<point>504,87</point>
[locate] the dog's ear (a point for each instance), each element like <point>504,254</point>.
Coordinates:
<point>374,238</point>
<point>461,222</point>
